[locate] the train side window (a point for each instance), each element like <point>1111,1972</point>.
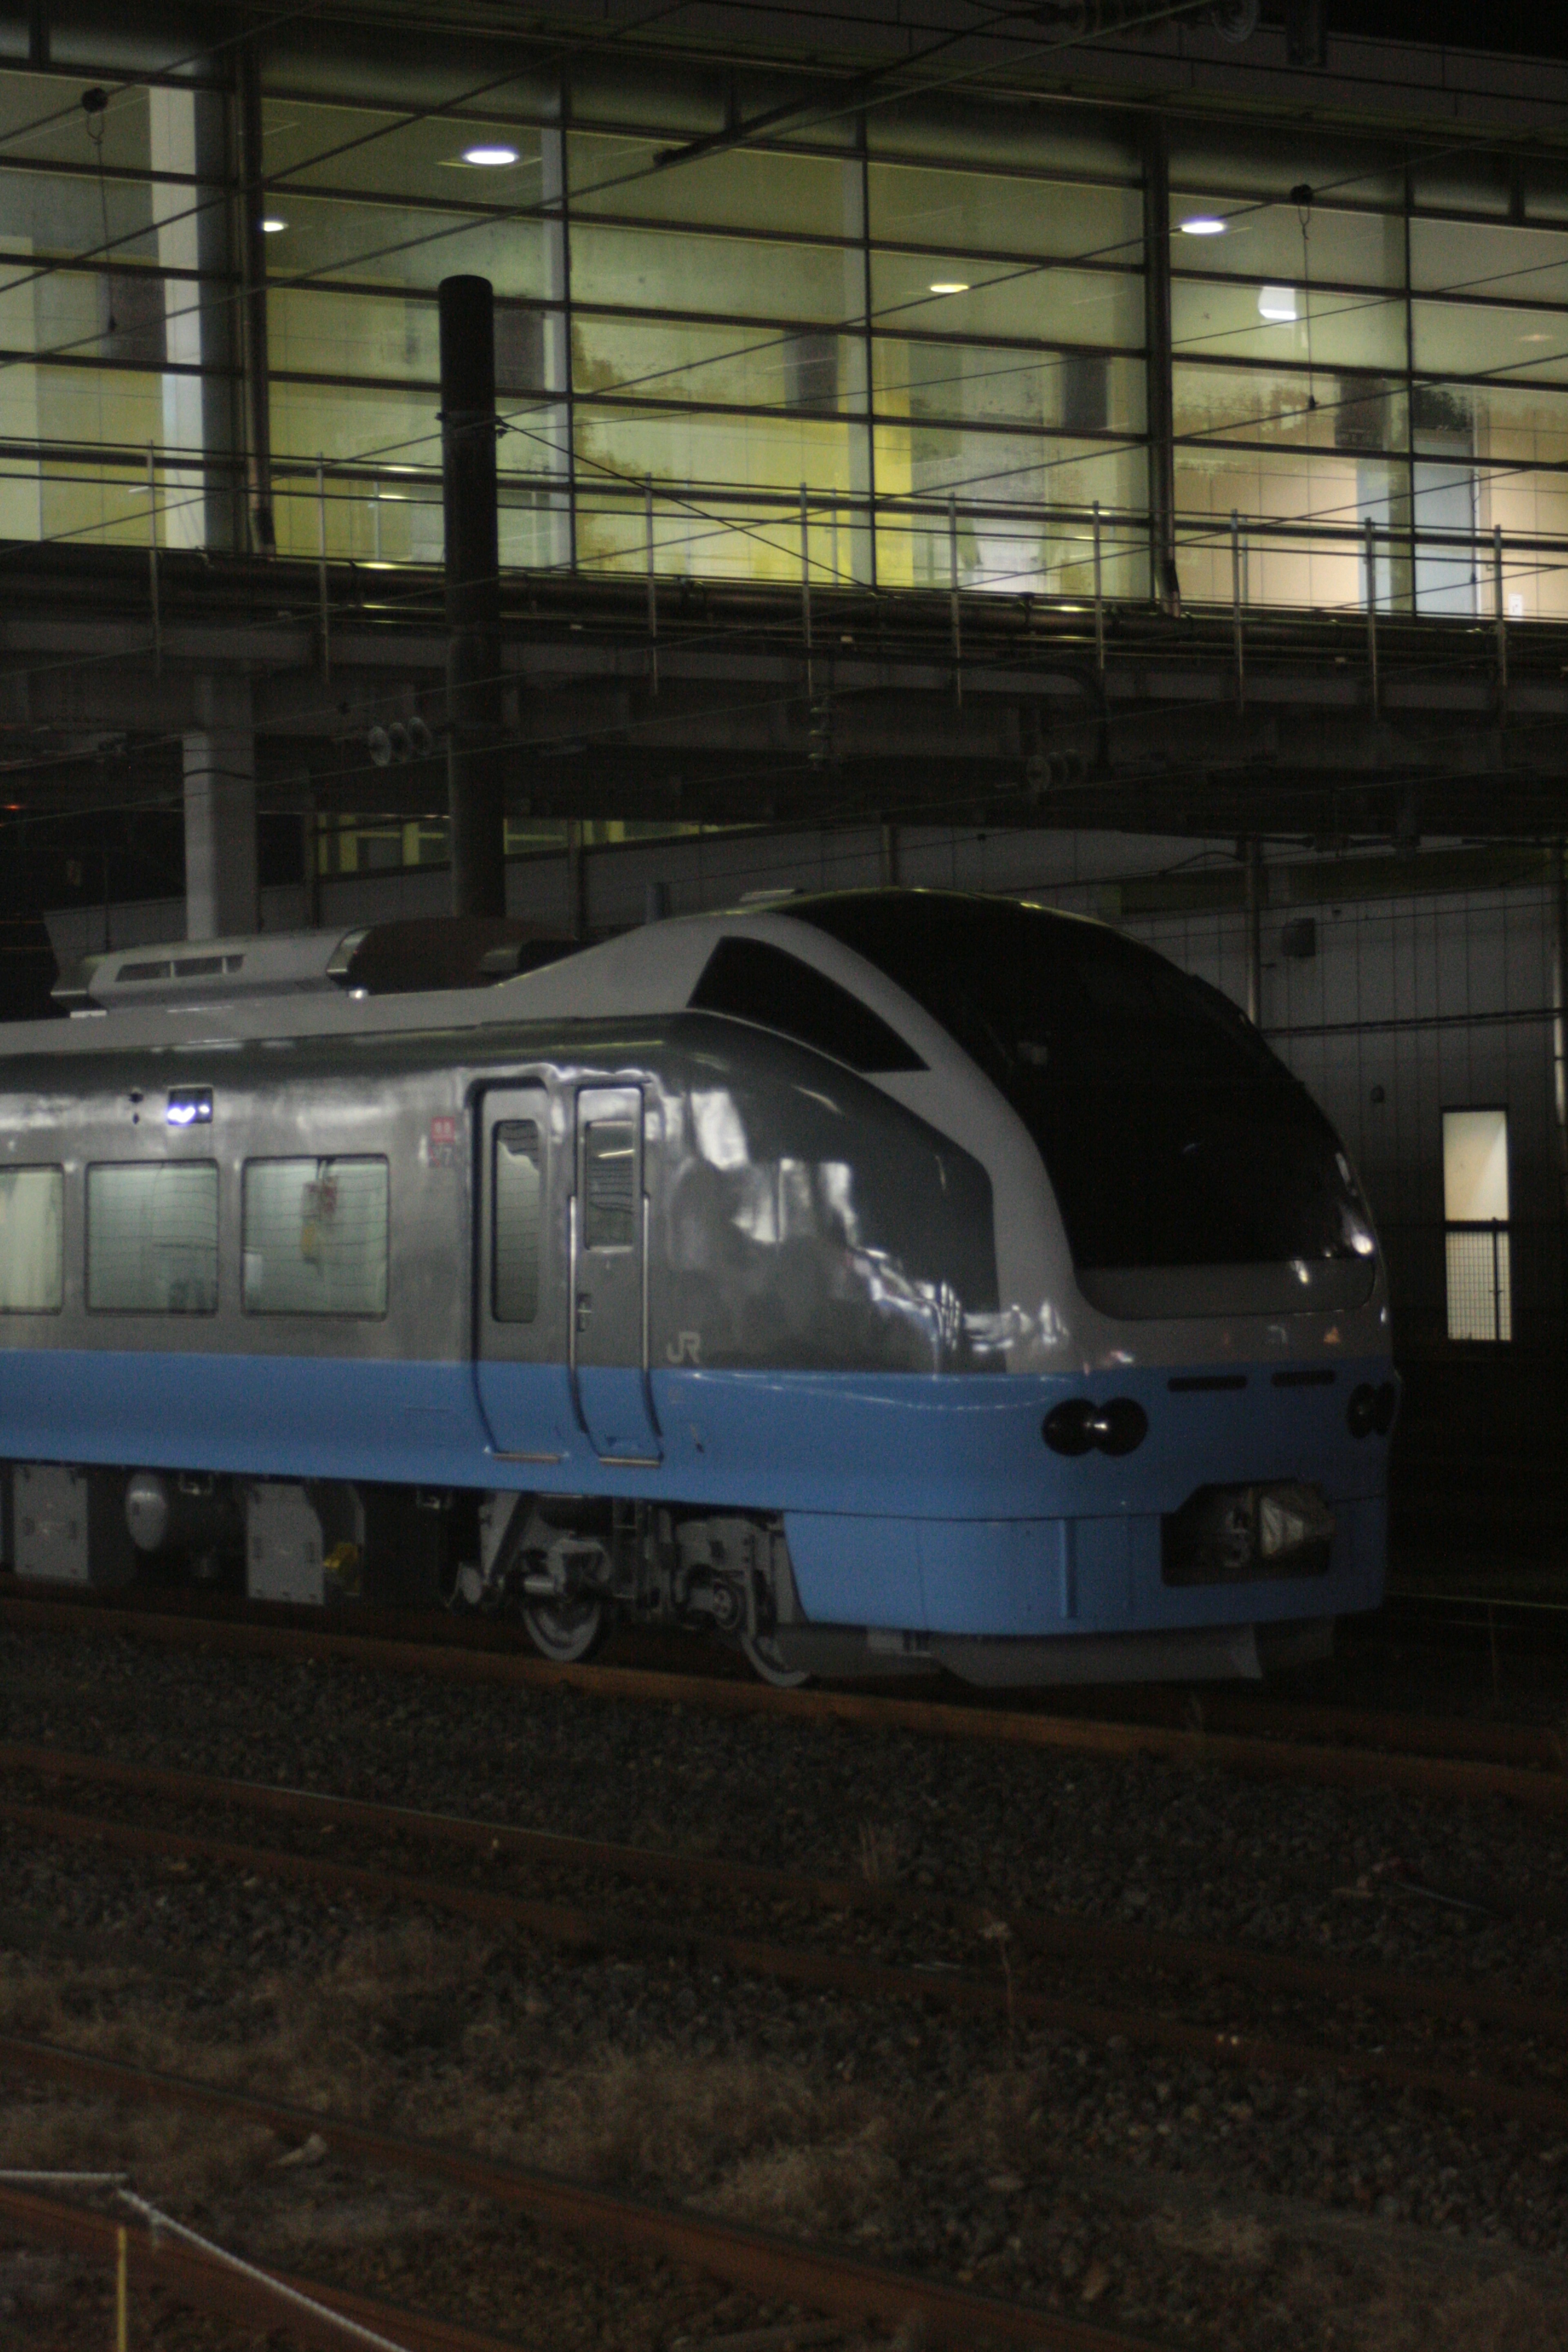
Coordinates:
<point>609,1185</point>
<point>32,1241</point>
<point>151,1237</point>
<point>315,1236</point>
<point>518,1180</point>
<point>750,980</point>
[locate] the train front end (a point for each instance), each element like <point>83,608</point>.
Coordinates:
<point>1183,1470</point>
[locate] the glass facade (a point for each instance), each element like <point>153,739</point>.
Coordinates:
<point>1372,344</point>
<point>909,350</point>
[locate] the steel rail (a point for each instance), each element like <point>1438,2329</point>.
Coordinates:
<point>1450,1778</point>
<point>938,1986</point>
<point>764,2263</point>
<point>211,2285</point>
<point>1141,1948</point>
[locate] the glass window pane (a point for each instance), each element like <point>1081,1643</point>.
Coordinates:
<point>376,153</point>
<point>1463,256</point>
<point>810,371</point>
<point>1283,406</point>
<point>1473,339</point>
<point>657,269</point>
<point>519,1187</point>
<point>1265,242</point>
<point>1019,302</point>
<point>405,245</point>
<point>986,212</point>
<point>47,215</point>
<point>959,128</point>
<point>32,1241</point>
<point>746,188</point>
<point>730,451</point>
<point>609,1185</point>
<point>1281,322</point>
<point>713,532</point>
<point>1256,163</point>
<point>1321,566</point>
<point>315,1236</point>
<point>34,123</point>
<point>999,482</point>
<point>1521,440</point>
<point>1075,391</point>
<point>1475,1166</point>
<point>151,1237</point>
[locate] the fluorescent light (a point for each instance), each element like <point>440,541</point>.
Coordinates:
<point>950,286</point>
<point>1204,224</point>
<point>1278,303</point>
<point>273,227</point>
<point>489,158</point>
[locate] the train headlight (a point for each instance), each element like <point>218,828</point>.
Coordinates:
<point>1080,1426</point>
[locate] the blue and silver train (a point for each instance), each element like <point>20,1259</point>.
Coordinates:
<point>878,1280</point>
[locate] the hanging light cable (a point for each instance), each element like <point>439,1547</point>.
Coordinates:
<point>1301,197</point>
<point>95,106</point>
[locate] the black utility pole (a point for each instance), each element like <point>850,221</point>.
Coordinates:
<point>475,775</point>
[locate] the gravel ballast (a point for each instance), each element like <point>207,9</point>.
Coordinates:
<point>1184,2203</point>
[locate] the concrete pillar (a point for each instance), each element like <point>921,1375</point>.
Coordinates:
<point>221,895</point>
<point>188,135</point>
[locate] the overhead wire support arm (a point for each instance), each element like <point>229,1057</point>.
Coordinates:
<point>952,597</point>
<point>1501,607</point>
<point>1371,564</point>
<point>652,588</point>
<point>806,592</point>
<point>1237,636</point>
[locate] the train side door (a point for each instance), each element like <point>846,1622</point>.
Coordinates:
<point>608,1286</point>
<point>521,1351</point>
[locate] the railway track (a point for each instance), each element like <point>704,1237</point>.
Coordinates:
<point>942,1931</point>
<point>1346,1747</point>
<point>197,2279</point>
<point>761,2263</point>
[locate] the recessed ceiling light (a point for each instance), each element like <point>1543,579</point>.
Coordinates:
<point>273,227</point>
<point>1535,338</point>
<point>950,286</point>
<point>490,158</point>
<point>1204,224</point>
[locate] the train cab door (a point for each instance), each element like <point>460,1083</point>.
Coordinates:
<point>521,1336</point>
<point>608,1237</point>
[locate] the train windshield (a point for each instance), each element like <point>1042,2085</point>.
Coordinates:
<point>1173,1137</point>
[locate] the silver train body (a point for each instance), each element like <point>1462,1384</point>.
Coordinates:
<point>878,1281</point>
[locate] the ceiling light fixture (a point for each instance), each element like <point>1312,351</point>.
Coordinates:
<point>1204,224</point>
<point>273,227</point>
<point>489,158</point>
<point>950,286</point>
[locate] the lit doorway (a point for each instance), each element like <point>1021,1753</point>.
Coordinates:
<point>1476,1224</point>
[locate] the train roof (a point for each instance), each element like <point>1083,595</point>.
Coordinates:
<point>301,985</point>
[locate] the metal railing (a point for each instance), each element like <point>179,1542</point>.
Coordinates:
<point>936,537</point>
<point>1478,1282</point>
<point>1478,1265</point>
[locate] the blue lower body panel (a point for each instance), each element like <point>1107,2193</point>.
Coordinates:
<point>911,1501</point>
<point>1030,1578</point>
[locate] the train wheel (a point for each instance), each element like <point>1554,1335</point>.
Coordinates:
<point>765,1659</point>
<point>569,1629</point>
